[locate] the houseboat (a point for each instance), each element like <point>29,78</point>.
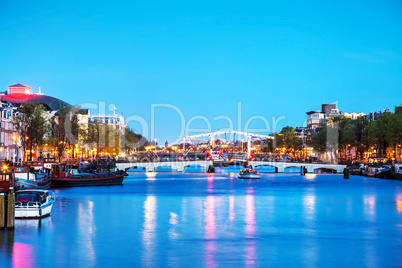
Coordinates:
<point>65,175</point>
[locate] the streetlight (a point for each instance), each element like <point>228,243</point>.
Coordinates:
<point>15,139</point>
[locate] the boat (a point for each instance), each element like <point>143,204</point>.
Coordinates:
<point>396,171</point>
<point>33,203</point>
<point>27,178</point>
<point>377,170</point>
<point>249,173</point>
<point>66,175</point>
<point>6,181</point>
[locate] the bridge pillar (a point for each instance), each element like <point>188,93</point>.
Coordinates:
<point>280,168</point>
<point>149,168</point>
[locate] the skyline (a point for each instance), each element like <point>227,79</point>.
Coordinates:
<point>276,60</point>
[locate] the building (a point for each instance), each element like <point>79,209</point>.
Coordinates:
<point>327,108</point>
<point>114,120</point>
<point>301,132</point>
<point>9,143</point>
<point>374,116</point>
<point>18,94</point>
<point>314,120</point>
<point>354,115</point>
<point>10,100</point>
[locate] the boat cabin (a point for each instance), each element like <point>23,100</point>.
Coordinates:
<point>22,172</point>
<point>248,171</point>
<point>37,165</point>
<point>27,196</point>
<point>63,170</point>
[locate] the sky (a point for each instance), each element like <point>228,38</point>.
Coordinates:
<point>175,68</point>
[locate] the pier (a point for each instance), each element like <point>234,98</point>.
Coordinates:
<point>7,201</point>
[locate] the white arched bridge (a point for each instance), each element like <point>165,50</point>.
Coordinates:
<point>280,167</point>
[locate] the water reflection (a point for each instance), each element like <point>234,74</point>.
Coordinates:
<point>173,221</point>
<point>250,228</point>
<point>309,207</point>
<point>23,255</point>
<point>6,246</point>
<point>310,176</point>
<point>369,207</point>
<point>398,201</point>
<point>150,176</point>
<point>250,212</point>
<point>148,233</point>
<point>232,213</point>
<point>210,229</point>
<point>86,228</point>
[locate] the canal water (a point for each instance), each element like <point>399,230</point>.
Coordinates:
<point>216,220</point>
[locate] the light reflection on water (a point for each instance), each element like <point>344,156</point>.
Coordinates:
<point>398,201</point>
<point>148,233</point>
<point>214,220</point>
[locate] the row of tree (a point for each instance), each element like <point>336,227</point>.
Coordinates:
<point>61,131</point>
<point>382,134</point>
<point>339,134</point>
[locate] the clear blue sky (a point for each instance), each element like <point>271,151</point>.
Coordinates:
<point>276,57</point>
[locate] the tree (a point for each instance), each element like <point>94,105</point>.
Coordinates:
<point>104,138</point>
<point>287,138</point>
<point>31,126</point>
<point>361,135</point>
<point>379,132</point>
<point>129,141</point>
<point>319,140</point>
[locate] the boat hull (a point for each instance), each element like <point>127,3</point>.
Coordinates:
<point>44,183</point>
<point>33,212</point>
<point>88,181</point>
<point>249,176</point>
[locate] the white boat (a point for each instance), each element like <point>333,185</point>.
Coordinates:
<point>397,171</point>
<point>249,173</point>
<point>33,203</point>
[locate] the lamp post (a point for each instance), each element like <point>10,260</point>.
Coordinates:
<point>15,139</point>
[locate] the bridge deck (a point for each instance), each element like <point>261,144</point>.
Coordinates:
<point>180,165</point>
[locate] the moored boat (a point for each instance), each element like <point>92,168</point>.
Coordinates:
<point>249,173</point>
<point>396,171</point>
<point>25,179</point>
<point>64,175</point>
<point>6,181</point>
<point>33,203</point>
<point>377,169</point>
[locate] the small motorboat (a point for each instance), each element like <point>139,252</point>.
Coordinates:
<point>33,203</point>
<point>249,173</point>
